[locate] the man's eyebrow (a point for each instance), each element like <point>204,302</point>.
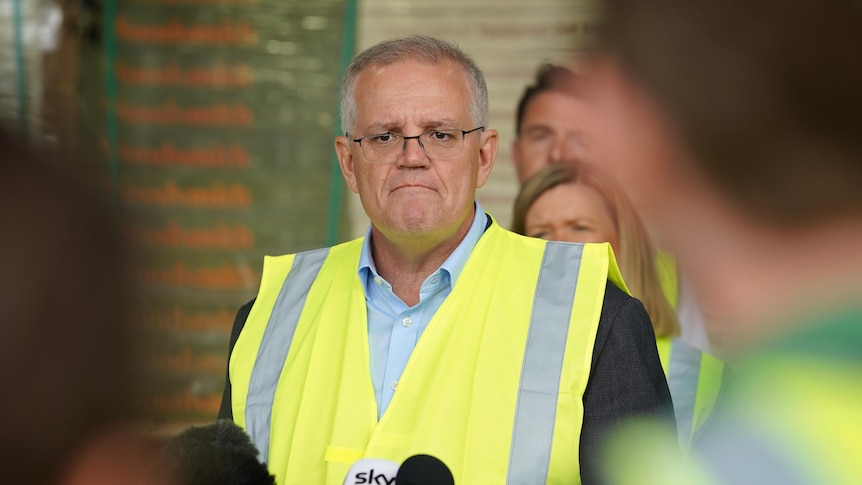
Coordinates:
<point>444,123</point>
<point>378,128</point>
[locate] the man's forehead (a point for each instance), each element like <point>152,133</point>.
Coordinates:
<point>414,77</point>
<point>551,108</point>
<point>414,94</point>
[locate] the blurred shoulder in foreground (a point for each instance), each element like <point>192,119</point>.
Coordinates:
<point>66,341</point>
<point>740,122</point>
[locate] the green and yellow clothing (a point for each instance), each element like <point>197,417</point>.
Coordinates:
<point>695,380</point>
<point>693,376</point>
<point>792,415</point>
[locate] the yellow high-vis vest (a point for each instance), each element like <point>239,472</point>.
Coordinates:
<point>694,379</point>
<point>493,388</point>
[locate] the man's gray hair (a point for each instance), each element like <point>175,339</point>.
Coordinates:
<point>419,48</point>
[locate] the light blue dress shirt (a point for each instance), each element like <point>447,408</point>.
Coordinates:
<point>393,327</point>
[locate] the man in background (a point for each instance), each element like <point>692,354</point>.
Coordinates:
<point>740,121</point>
<point>553,124</point>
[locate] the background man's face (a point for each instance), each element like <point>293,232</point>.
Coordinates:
<point>415,194</point>
<point>556,126</point>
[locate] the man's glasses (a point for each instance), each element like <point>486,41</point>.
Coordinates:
<point>438,144</point>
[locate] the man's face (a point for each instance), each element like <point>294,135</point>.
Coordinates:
<point>556,126</point>
<point>415,195</point>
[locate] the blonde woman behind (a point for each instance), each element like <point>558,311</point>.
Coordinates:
<point>576,202</point>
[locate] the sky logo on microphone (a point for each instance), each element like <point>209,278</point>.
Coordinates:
<point>374,478</point>
<point>372,471</point>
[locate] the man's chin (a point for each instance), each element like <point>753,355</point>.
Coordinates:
<point>418,224</point>
<point>417,221</point>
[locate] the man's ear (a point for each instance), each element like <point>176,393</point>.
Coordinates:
<point>345,161</point>
<point>487,154</point>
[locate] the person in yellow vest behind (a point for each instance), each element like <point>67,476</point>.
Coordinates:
<point>439,332</point>
<point>577,201</point>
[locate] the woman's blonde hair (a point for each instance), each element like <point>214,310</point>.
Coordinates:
<point>636,255</point>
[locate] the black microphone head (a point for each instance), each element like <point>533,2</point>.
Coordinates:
<point>219,453</point>
<point>424,470</point>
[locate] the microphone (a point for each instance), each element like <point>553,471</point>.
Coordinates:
<point>424,470</point>
<point>219,453</point>
<point>372,471</point>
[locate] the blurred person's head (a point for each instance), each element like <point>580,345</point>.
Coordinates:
<point>739,122</point>
<point>575,201</point>
<point>65,337</point>
<point>553,124</point>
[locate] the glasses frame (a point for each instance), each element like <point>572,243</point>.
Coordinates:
<point>464,134</point>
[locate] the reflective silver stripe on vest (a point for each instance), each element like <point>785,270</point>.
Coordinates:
<point>275,343</point>
<point>682,379</point>
<point>542,368</point>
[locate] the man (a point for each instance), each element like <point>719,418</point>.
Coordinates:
<point>555,123</point>
<point>439,332</point>
<point>740,119</point>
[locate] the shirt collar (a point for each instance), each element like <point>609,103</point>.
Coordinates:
<point>453,265</point>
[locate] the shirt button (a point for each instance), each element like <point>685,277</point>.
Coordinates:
<point>378,280</point>
<point>407,322</point>
<point>394,385</point>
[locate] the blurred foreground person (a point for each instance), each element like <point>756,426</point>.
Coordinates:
<point>741,121</point>
<point>65,342</point>
<point>576,201</point>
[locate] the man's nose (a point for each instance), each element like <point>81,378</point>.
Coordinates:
<point>560,149</point>
<point>413,152</point>
<point>567,148</point>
